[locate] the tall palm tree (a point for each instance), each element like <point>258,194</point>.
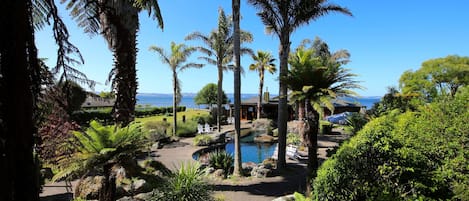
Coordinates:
<point>176,62</point>
<point>236,7</point>
<point>218,51</point>
<point>264,61</point>
<point>282,18</point>
<point>315,79</point>
<point>20,80</point>
<point>118,22</point>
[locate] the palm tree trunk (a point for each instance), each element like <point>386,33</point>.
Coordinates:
<point>18,59</point>
<point>237,87</point>
<point>108,190</point>
<point>261,86</point>
<point>219,95</point>
<point>282,104</point>
<point>120,30</point>
<point>175,94</point>
<point>301,110</point>
<point>313,121</point>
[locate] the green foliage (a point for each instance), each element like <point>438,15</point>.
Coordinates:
<point>105,115</point>
<point>393,100</point>
<point>293,138</point>
<point>202,140</point>
<point>187,129</point>
<point>221,160</point>
<point>438,76</point>
<point>74,94</point>
<point>208,95</point>
<point>186,184</point>
<point>205,118</point>
<point>156,130</point>
<point>99,145</point>
<point>417,155</point>
<point>107,95</point>
<point>356,121</point>
<point>301,197</point>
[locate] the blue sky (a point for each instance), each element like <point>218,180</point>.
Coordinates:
<point>385,38</point>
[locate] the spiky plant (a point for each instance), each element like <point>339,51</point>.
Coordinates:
<point>99,149</point>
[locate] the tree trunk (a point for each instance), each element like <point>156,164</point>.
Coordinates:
<point>282,104</point>
<point>175,94</point>
<point>219,95</point>
<point>120,24</point>
<point>18,71</point>
<point>108,190</point>
<point>313,121</point>
<point>261,86</point>
<point>237,87</point>
<point>301,110</point>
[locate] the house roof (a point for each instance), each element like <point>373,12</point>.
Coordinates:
<point>96,101</point>
<point>336,102</point>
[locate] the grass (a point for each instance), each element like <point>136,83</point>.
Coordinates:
<point>189,113</point>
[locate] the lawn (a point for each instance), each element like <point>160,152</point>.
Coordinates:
<point>189,113</point>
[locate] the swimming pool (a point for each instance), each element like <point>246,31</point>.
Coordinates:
<point>250,150</point>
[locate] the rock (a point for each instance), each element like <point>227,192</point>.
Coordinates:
<point>285,198</point>
<point>269,163</point>
<point>89,187</point>
<point>209,170</point>
<point>138,186</point>
<point>263,124</point>
<point>46,173</point>
<point>260,172</point>
<point>144,196</point>
<point>294,126</point>
<point>248,166</point>
<point>264,139</point>
<point>219,173</point>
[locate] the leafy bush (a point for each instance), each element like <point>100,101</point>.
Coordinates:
<point>356,121</point>
<point>156,129</point>
<point>186,184</point>
<point>202,140</point>
<point>411,156</point>
<point>293,138</point>
<point>187,129</point>
<point>221,160</point>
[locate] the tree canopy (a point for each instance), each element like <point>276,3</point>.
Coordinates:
<point>208,95</point>
<point>438,76</point>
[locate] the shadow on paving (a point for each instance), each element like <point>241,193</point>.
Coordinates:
<point>293,179</point>
<point>58,197</point>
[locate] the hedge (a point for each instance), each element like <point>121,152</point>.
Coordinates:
<point>105,115</point>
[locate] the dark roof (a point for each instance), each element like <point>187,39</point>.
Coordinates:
<point>93,101</point>
<point>274,100</point>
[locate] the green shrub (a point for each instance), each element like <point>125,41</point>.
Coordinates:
<point>187,129</point>
<point>293,138</point>
<point>356,121</point>
<point>202,140</point>
<point>186,184</point>
<point>221,160</point>
<point>411,156</point>
<point>157,130</point>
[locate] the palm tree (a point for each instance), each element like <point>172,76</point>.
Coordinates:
<point>218,51</point>
<point>20,78</point>
<point>236,7</point>
<point>99,149</point>
<point>264,61</point>
<point>118,22</point>
<point>315,79</point>
<point>176,62</point>
<point>282,18</point>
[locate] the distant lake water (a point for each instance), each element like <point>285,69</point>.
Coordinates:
<point>166,100</point>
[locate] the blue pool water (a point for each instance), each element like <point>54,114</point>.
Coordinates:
<point>250,151</point>
<point>253,152</point>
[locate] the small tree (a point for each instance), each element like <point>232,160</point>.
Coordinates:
<point>100,148</point>
<point>264,62</point>
<point>208,95</point>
